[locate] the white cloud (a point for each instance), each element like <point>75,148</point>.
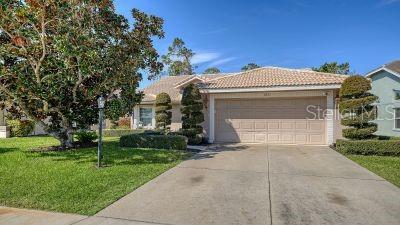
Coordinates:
<point>204,57</point>
<point>221,61</point>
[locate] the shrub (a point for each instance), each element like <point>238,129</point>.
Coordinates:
<point>174,142</point>
<point>21,128</point>
<point>122,132</point>
<point>86,137</point>
<point>356,108</point>
<point>163,111</point>
<point>369,147</point>
<point>192,115</point>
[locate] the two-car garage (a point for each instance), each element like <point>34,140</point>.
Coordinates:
<point>271,120</point>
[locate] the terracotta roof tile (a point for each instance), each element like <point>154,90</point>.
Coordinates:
<point>273,77</point>
<point>167,84</point>
<point>261,77</point>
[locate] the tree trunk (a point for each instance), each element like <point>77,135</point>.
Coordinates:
<point>66,138</point>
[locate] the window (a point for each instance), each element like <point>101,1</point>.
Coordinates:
<point>146,116</point>
<point>396,94</point>
<point>397,118</point>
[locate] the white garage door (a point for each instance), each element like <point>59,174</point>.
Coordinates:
<point>275,121</point>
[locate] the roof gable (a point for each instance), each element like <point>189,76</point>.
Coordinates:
<point>393,68</point>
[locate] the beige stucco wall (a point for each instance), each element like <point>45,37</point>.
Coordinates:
<point>337,131</point>
<point>206,112</point>
<point>176,121</point>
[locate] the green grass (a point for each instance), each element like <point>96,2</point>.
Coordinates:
<point>69,181</point>
<point>387,167</point>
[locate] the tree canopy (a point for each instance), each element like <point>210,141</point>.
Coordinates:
<point>250,66</point>
<point>58,57</point>
<point>178,59</point>
<point>334,67</point>
<point>212,70</point>
<point>357,109</point>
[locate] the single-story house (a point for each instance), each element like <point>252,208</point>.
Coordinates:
<point>265,105</point>
<point>386,85</point>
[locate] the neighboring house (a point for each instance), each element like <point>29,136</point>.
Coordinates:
<point>3,123</point>
<point>265,105</point>
<point>386,85</point>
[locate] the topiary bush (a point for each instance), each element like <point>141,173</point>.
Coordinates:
<point>122,132</point>
<point>172,142</point>
<point>369,147</point>
<point>192,115</point>
<point>86,137</point>
<point>163,111</point>
<point>357,109</point>
<point>21,128</point>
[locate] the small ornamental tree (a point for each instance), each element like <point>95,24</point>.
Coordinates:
<point>192,115</point>
<point>357,109</point>
<point>163,111</point>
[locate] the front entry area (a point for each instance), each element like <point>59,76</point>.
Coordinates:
<point>271,120</point>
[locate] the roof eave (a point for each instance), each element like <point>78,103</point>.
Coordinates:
<point>372,73</point>
<point>276,88</point>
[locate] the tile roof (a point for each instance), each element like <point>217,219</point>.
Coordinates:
<point>274,77</point>
<point>167,84</point>
<point>261,77</point>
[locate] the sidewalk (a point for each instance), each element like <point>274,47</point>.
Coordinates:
<point>13,216</point>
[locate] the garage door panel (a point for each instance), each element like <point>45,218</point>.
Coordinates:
<point>260,125</point>
<point>288,125</point>
<point>273,137</point>
<point>287,138</point>
<point>278,121</point>
<point>247,137</point>
<point>273,126</point>
<point>247,125</point>
<point>260,138</point>
<point>317,126</point>
<point>301,126</point>
<point>316,138</point>
<point>301,138</point>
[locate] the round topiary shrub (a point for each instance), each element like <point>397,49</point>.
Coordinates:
<point>192,115</point>
<point>163,111</point>
<point>357,109</point>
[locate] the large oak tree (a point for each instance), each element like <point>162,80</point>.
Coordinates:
<point>58,56</point>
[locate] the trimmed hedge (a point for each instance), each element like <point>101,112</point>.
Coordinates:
<point>86,136</point>
<point>369,147</point>
<point>173,142</point>
<point>122,132</point>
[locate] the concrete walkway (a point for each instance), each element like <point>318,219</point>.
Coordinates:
<point>12,216</point>
<point>258,184</point>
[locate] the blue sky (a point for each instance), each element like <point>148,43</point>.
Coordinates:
<point>286,33</point>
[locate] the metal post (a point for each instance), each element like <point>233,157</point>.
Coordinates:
<point>100,142</point>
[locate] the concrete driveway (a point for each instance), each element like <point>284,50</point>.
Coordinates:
<point>260,184</point>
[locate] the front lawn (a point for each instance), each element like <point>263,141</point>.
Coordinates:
<point>387,167</point>
<point>69,181</point>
